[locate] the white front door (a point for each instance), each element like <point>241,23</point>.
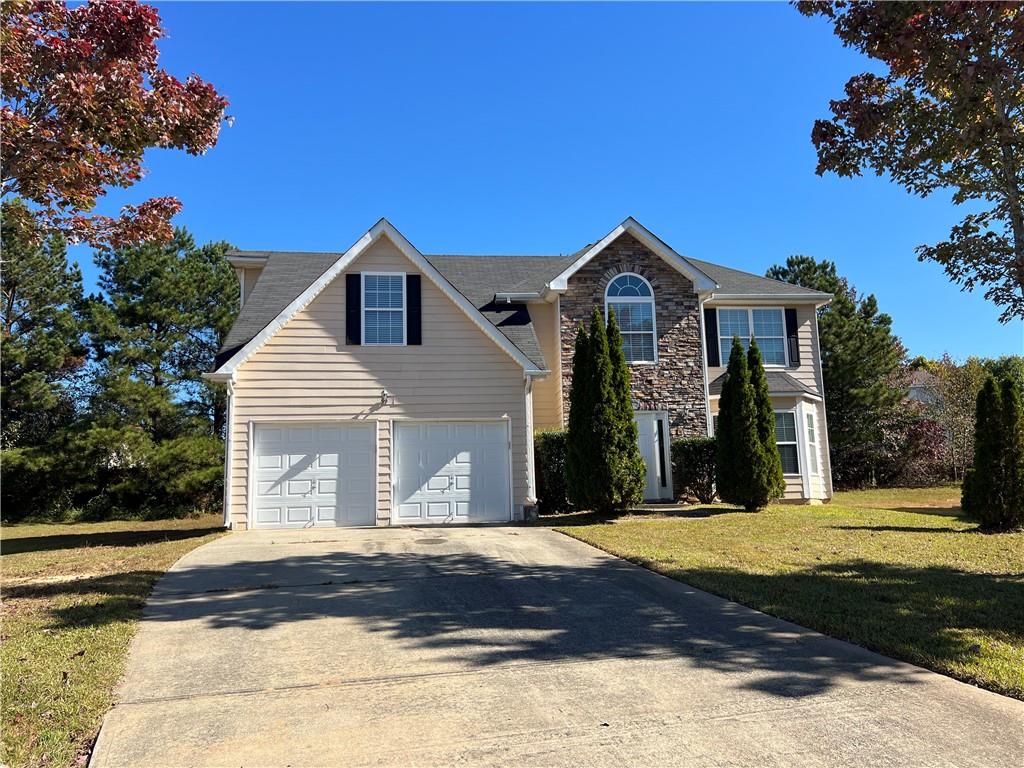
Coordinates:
<point>307,475</point>
<point>655,448</point>
<point>451,472</point>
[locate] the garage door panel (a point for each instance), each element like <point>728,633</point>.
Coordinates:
<point>315,475</point>
<point>451,472</point>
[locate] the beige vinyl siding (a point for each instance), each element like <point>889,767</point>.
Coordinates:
<point>547,392</point>
<point>306,372</point>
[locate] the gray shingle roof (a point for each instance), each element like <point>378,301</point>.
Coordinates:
<point>733,281</point>
<point>287,274</point>
<point>780,383</point>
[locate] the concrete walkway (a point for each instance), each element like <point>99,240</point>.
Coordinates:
<point>507,646</point>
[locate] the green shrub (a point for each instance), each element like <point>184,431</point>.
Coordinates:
<point>549,448</point>
<point>693,468</point>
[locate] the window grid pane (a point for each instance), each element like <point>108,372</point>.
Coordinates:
<point>790,465</point>
<point>768,322</point>
<point>785,427</point>
<point>383,327</point>
<point>638,347</point>
<point>725,348</point>
<point>633,317</point>
<point>733,322</point>
<point>812,443</point>
<point>628,285</point>
<point>773,351</point>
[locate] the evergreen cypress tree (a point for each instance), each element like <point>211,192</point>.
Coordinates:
<point>1012,452</point>
<point>603,422</point>
<point>580,438</point>
<point>629,473</point>
<point>980,495</point>
<point>737,435</point>
<point>766,464</point>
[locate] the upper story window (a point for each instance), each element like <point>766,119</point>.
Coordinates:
<point>632,299</point>
<point>383,308</point>
<point>766,325</point>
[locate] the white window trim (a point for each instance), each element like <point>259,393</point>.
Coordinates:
<point>750,324</point>
<point>636,300</point>
<point>797,443</point>
<point>363,309</point>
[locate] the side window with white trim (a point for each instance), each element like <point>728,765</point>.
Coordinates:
<point>785,438</point>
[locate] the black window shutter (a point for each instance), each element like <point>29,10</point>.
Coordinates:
<point>353,309</point>
<point>413,311</point>
<point>711,337</point>
<point>791,337</point>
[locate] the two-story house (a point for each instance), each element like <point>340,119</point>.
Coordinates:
<point>383,386</point>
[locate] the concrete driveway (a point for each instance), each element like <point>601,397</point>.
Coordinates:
<point>507,646</point>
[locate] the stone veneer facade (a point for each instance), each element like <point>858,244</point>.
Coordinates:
<point>675,384</point>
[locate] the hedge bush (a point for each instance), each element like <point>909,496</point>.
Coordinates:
<point>549,448</point>
<point>693,467</point>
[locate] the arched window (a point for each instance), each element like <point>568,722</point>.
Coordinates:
<point>633,301</point>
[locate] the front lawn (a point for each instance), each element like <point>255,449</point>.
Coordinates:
<point>72,597</point>
<point>900,572</point>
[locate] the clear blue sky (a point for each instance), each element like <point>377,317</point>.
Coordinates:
<point>536,129</point>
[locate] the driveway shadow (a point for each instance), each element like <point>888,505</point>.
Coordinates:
<point>483,611</point>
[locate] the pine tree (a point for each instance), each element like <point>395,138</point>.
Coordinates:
<point>737,436</point>
<point>766,464</point>
<point>580,437</point>
<point>43,349</point>
<point>860,360</point>
<point>629,472</point>
<point>983,481</point>
<point>157,328</point>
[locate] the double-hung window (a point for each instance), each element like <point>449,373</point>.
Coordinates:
<point>785,438</point>
<point>383,308</point>
<point>767,326</point>
<point>632,299</point>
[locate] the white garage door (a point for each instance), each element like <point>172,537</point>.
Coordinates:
<point>308,475</point>
<point>451,472</point>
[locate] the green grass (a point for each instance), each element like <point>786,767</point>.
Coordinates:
<point>73,595</point>
<point>898,571</point>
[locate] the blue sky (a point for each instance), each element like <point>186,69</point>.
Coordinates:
<point>534,128</point>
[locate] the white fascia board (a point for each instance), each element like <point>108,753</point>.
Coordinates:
<point>524,296</point>
<point>794,395</point>
<point>702,283</point>
<point>820,300</point>
<point>218,376</point>
<point>246,261</point>
<point>382,228</point>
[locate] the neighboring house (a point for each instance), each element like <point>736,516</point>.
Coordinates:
<point>385,386</point>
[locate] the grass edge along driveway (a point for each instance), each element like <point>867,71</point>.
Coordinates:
<point>72,599</point>
<point>900,572</point>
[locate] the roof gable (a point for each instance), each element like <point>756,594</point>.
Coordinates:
<point>702,283</point>
<point>382,228</point>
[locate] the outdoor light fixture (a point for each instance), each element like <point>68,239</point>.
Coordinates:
<point>384,395</point>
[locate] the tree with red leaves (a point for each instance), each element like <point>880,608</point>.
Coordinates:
<point>948,114</point>
<point>83,98</point>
